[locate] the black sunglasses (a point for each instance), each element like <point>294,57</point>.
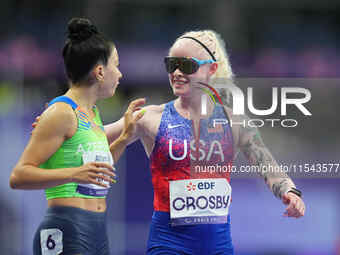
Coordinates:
<point>185,65</point>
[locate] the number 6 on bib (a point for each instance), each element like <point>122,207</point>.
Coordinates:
<point>51,241</point>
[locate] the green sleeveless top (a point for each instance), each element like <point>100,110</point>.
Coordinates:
<point>89,138</point>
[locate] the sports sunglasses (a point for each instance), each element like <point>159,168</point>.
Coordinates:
<point>185,65</point>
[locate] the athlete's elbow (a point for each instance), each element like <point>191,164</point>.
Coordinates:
<point>15,181</point>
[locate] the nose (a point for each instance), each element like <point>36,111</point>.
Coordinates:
<point>177,72</point>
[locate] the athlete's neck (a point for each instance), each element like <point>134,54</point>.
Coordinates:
<point>84,96</point>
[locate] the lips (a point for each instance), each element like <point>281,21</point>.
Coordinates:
<point>179,82</point>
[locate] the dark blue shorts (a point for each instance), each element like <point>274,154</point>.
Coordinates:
<point>203,239</point>
<point>71,231</point>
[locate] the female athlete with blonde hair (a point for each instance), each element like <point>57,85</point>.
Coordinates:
<point>191,213</point>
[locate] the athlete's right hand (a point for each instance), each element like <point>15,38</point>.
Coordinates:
<point>93,172</point>
<point>36,121</point>
<point>130,120</point>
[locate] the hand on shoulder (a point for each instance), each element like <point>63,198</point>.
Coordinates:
<point>151,111</point>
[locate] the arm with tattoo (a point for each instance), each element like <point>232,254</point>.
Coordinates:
<point>255,151</point>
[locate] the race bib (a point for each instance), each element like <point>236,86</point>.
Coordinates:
<point>51,241</point>
<point>199,201</point>
<point>94,189</point>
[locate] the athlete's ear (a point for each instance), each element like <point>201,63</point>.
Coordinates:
<point>99,72</point>
<point>213,68</point>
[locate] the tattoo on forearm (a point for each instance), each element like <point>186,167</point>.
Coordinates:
<point>257,154</point>
<point>280,188</point>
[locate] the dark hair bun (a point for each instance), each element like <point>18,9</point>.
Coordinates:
<point>80,29</point>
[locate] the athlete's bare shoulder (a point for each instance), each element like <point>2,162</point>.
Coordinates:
<point>152,112</point>
<point>60,117</point>
<point>156,109</point>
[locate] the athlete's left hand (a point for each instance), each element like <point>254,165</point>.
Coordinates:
<point>296,206</point>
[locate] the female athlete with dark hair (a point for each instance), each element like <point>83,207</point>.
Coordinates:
<point>69,155</point>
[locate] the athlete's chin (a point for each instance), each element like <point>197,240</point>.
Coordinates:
<point>180,92</point>
<point>108,94</point>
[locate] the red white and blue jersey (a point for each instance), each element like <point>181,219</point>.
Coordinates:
<point>179,154</point>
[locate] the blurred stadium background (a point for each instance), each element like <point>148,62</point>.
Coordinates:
<point>277,39</point>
